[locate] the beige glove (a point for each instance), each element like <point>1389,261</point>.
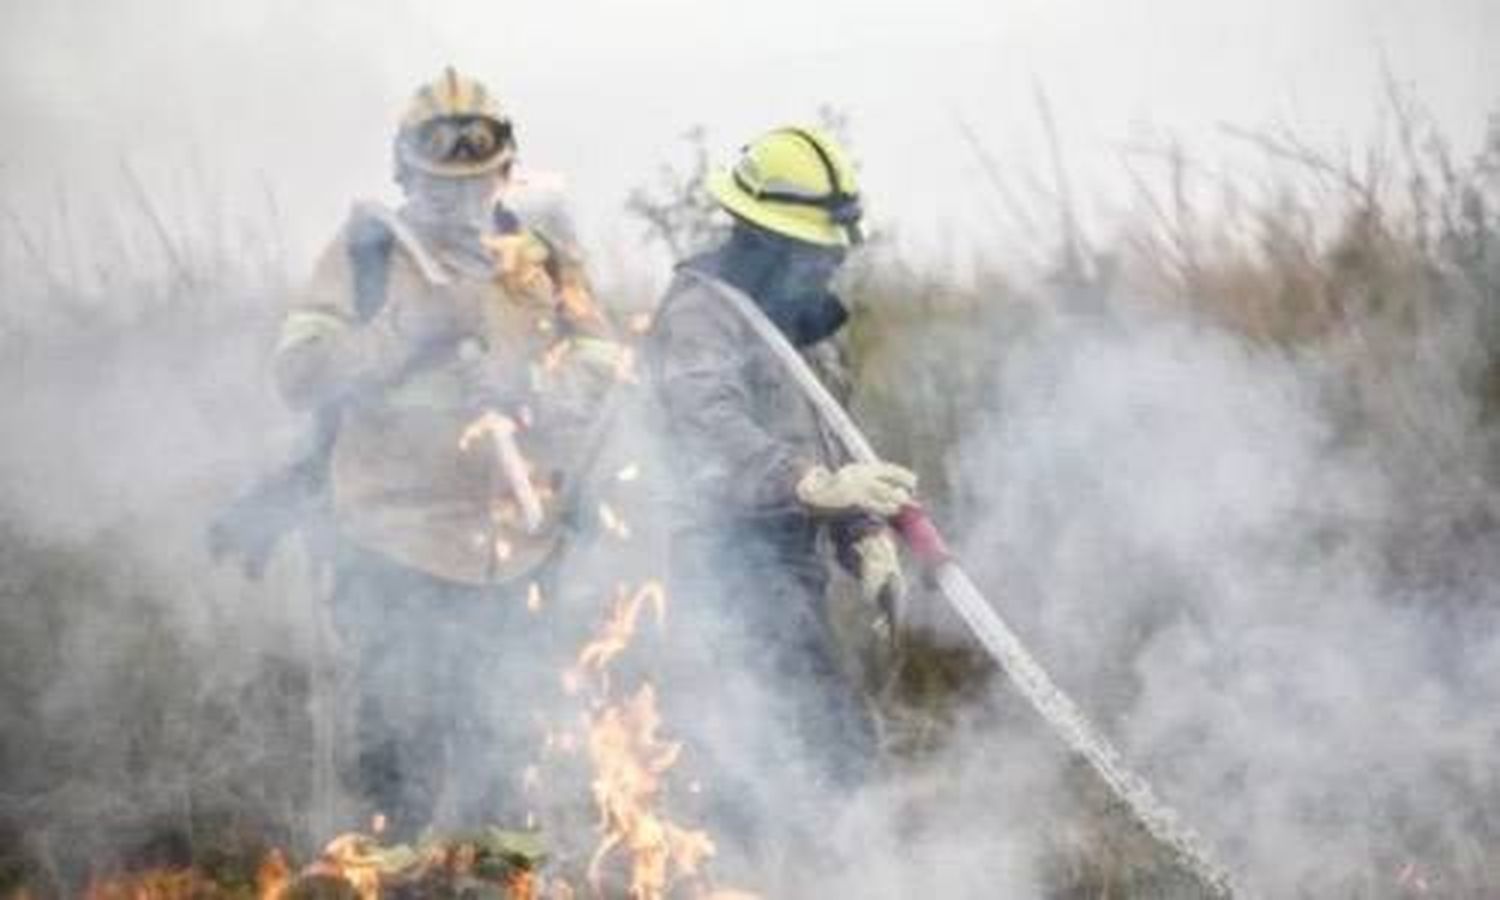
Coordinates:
<point>880,579</point>
<point>879,489</point>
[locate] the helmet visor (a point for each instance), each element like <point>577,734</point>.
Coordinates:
<point>461,140</point>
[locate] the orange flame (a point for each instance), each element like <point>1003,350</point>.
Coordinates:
<point>630,761</point>
<point>272,876</point>
<point>616,635</point>
<point>351,858</point>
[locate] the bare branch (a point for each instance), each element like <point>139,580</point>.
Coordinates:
<point>1073,243</point>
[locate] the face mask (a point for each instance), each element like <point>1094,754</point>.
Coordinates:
<point>451,204</point>
<point>797,298</point>
<point>788,279</point>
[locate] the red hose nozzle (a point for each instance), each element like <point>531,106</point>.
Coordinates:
<point>921,536</point>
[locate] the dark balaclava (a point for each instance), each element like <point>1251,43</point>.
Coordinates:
<point>787,278</point>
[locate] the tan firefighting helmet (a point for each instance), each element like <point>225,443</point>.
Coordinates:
<point>455,127</point>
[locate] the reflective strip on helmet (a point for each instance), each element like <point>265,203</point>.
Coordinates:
<point>454,99</point>
<point>302,325</point>
<point>746,176</point>
<point>455,86</point>
<point>844,209</point>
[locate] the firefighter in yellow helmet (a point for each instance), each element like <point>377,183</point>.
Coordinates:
<point>769,502</point>
<point>450,453</point>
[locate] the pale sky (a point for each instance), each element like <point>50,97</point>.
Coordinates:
<point>302,96</point>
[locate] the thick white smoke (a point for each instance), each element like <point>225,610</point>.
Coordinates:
<point>1290,627</point>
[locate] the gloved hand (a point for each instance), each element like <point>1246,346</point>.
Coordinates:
<point>880,580</point>
<point>879,489</point>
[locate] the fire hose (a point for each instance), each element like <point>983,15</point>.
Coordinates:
<point>926,543</point>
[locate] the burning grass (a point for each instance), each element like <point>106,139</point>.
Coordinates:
<point>640,852</point>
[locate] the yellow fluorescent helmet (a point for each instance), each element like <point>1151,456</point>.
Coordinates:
<point>797,182</point>
<point>454,126</point>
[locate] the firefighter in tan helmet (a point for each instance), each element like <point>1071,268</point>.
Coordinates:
<point>451,455</point>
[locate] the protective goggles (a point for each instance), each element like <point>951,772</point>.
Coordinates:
<point>843,209</point>
<point>462,139</point>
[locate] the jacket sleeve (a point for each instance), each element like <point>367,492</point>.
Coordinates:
<point>325,353</point>
<point>701,382</point>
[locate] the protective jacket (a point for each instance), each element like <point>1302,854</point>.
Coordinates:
<point>406,483</point>
<point>740,429</point>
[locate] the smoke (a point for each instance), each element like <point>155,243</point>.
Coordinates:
<point>146,693</point>
<point>1287,623</point>
<point>1284,615</point>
